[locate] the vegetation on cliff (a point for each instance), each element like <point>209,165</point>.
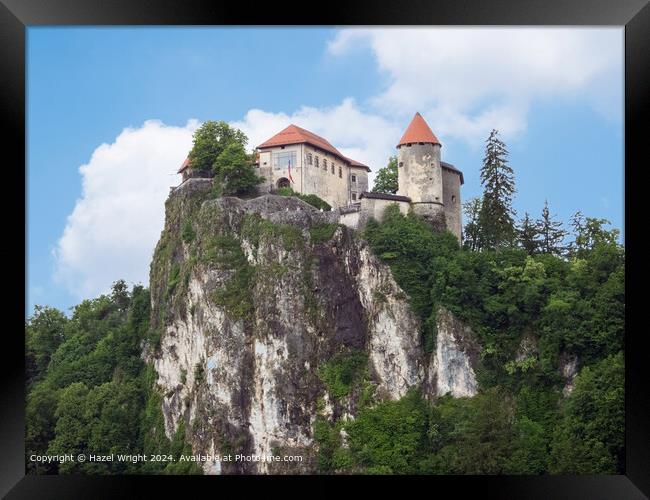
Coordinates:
<point>573,306</point>
<point>89,391</point>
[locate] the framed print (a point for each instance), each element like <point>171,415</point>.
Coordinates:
<point>388,245</point>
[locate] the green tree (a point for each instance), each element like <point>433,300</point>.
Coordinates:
<point>386,180</point>
<point>71,431</point>
<point>210,140</point>
<point>389,438</point>
<point>496,218</point>
<point>590,438</point>
<point>528,234</point>
<point>550,233</point>
<point>234,174</point>
<point>588,233</point>
<point>44,332</point>
<point>471,210</point>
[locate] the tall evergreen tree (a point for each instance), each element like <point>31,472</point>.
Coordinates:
<point>528,235</point>
<point>551,234</point>
<point>496,219</point>
<point>386,180</point>
<point>472,210</point>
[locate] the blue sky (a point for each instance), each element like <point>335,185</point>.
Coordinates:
<point>111,112</point>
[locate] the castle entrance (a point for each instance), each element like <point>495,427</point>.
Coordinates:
<point>283,183</point>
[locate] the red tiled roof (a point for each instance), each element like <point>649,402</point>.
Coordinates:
<point>297,135</point>
<point>185,164</point>
<point>418,131</point>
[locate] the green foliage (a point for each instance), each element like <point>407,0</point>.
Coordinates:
<point>255,228</point>
<point>188,234</point>
<point>174,278</point>
<point>386,179</point>
<point>569,306</point>
<point>496,216</point>
<point>389,438</point>
<point>528,235</point>
<point>320,233</point>
<point>345,370</point>
<point>312,199</point>
<point>472,228</point>
<point>550,232</point>
<point>210,140</point>
<point>589,234</point>
<point>590,437</point>
<point>96,395</point>
<point>44,332</point>
<point>234,173</point>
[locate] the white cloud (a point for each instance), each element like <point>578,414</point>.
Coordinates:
<point>116,223</point>
<point>365,137</point>
<point>469,80</point>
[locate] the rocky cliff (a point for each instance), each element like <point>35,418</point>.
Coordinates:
<point>252,298</point>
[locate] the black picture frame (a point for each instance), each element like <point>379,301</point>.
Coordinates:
<point>17,15</point>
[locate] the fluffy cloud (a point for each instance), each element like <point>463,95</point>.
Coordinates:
<point>114,226</point>
<point>365,137</point>
<point>469,80</point>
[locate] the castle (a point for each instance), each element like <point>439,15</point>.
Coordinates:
<point>309,164</point>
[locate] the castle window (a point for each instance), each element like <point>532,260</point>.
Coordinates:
<point>332,169</point>
<point>453,198</point>
<point>282,160</point>
<point>354,196</point>
<point>316,162</point>
<point>340,173</point>
<point>309,159</point>
<point>324,164</point>
<point>354,178</point>
<point>401,164</point>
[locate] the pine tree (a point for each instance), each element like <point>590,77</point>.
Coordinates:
<point>528,235</point>
<point>496,219</point>
<point>472,209</point>
<point>551,234</point>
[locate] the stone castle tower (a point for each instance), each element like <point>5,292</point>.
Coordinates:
<point>432,185</point>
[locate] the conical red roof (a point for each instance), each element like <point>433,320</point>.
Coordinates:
<point>418,131</point>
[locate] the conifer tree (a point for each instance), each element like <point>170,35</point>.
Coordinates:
<point>472,209</point>
<point>528,235</point>
<point>551,234</point>
<point>496,219</point>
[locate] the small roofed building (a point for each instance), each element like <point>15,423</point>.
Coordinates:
<point>188,172</point>
<point>309,164</point>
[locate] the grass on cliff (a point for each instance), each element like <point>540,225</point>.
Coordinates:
<point>255,228</point>
<point>343,371</point>
<point>312,199</point>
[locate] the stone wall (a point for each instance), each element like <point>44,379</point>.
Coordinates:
<point>419,172</point>
<point>452,201</point>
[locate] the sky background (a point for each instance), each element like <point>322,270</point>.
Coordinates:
<point>111,112</point>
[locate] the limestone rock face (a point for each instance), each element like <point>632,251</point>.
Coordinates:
<point>569,370</point>
<point>451,368</point>
<point>250,298</point>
